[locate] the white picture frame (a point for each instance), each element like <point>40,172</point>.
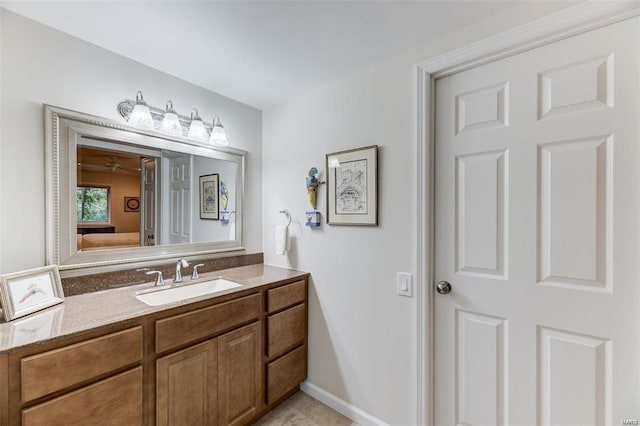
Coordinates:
<point>23,293</point>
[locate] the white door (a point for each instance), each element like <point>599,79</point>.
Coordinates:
<point>180,200</point>
<point>538,232</point>
<point>149,202</point>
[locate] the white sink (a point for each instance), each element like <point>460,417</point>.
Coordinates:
<point>163,296</point>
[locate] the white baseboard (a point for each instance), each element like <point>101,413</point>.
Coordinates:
<point>340,405</point>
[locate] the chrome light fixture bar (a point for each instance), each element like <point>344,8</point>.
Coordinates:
<point>127,108</point>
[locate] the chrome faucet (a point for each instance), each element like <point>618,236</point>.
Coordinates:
<point>194,273</point>
<point>182,263</point>
<point>159,279</point>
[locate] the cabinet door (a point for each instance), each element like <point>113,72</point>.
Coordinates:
<point>186,386</point>
<point>239,375</point>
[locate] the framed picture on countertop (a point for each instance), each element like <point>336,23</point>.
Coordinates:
<point>25,292</point>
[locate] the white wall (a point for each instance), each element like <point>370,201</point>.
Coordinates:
<point>41,65</point>
<point>362,336</point>
<point>204,229</point>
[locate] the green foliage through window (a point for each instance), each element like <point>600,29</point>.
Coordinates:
<point>92,204</point>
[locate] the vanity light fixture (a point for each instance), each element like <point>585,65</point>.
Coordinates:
<point>197,130</point>
<point>170,122</point>
<point>218,135</point>
<point>141,116</point>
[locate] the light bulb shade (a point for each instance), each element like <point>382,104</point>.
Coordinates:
<point>141,116</point>
<point>170,122</point>
<point>218,135</point>
<point>197,130</point>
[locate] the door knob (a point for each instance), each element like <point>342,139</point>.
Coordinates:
<point>443,287</point>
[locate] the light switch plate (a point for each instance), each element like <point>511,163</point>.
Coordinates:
<point>404,284</point>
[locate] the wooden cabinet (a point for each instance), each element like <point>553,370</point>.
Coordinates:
<point>79,381</point>
<point>286,348</point>
<point>212,363</point>
<point>215,382</point>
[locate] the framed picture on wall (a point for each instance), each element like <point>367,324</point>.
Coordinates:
<point>209,199</point>
<point>22,293</point>
<point>131,204</point>
<point>352,187</point>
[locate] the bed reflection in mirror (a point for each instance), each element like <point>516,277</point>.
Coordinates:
<point>132,196</point>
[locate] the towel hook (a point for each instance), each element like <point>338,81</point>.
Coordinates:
<point>288,215</point>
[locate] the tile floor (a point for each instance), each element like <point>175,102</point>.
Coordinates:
<point>302,410</point>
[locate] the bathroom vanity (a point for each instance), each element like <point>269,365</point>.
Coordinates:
<point>106,357</point>
<point>129,357</point>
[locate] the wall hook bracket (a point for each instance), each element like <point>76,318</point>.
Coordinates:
<point>288,215</point>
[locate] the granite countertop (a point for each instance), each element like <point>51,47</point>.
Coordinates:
<point>84,312</point>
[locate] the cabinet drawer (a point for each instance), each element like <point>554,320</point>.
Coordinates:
<point>58,369</point>
<point>114,401</point>
<point>285,296</point>
<point>191,326</point>
<point>285,373</point>
<point>286,330</point>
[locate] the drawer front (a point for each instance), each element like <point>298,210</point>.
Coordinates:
<point>114,401</point>
<point>285,296</point>
<point>285,373</point>
<point>58,369</point>
<point>191,326</point>
<point>286,330</point>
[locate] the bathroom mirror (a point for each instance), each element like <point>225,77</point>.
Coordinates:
<point>117,194</point>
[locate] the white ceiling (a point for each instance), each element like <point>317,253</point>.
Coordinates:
<point>259,52</point>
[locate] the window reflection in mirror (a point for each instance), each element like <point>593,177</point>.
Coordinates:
<point>129,196</point>
<point>92,204</point>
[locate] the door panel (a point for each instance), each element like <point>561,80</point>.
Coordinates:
<point>481,369</point>
<point>575,230</point>
<point>180,201</point>
<point>483,108</point>
<point>480,213</point>
<point>574,373</point>
<point>149,202</point>
<point>537,203</point>
<point>582,85</point>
